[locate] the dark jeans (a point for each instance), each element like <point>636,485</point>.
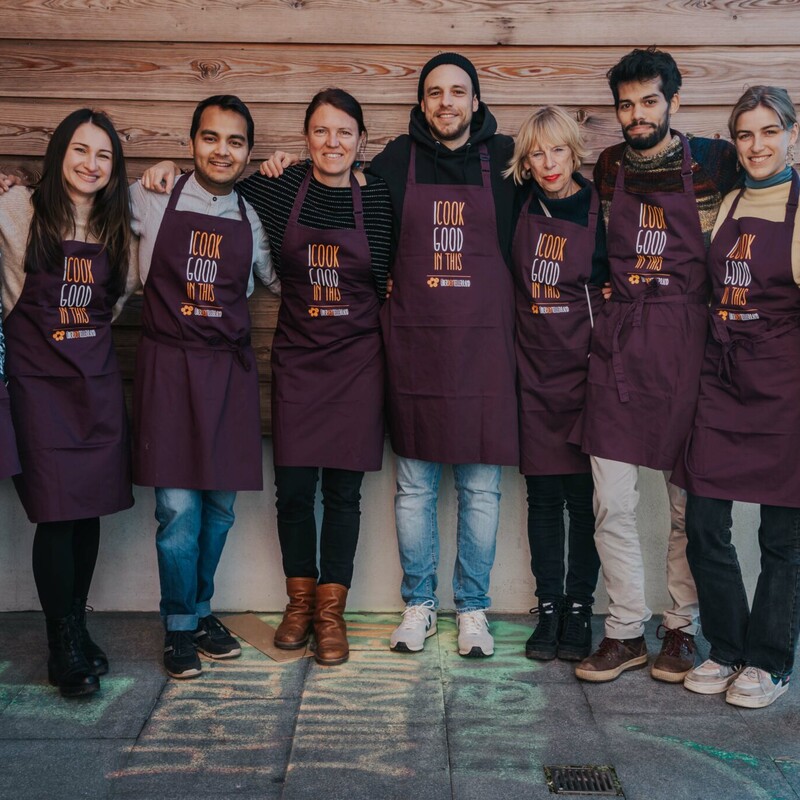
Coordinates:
<point>296,489</point>
<point>547,495</point>
<point>765,636</point>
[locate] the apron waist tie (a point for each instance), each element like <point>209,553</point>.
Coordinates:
<point>238,347</point>
<point>636,309</point>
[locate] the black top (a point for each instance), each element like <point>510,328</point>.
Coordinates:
<point>574,208</point>
<point>436,163</point>
<point>324,207</point>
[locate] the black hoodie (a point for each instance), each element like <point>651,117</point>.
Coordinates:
<point>438,164</point>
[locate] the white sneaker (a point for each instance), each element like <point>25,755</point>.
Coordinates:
<point>419,622</point>
<point>711,678</point>
<point>474,639</point>
<point>756,688</point>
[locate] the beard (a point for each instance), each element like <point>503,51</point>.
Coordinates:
<point>650,140</point>
<point>450,135</point>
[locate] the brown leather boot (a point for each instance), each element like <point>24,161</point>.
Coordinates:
<point>295,627</point>
<point>330,630</point>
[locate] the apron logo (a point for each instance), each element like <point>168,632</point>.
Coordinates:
<point>201,268</point>
<point>651,239</point>
<point>737,272</point>
<point>546,266</point>
<point>323,275</point>
<point>58,336</point>
<point>448,234</point>
<point>313,311</point>
<point>76,291</point>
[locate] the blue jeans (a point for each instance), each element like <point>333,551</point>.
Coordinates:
<point>547,495</point>
<point>478,492</point>
<point>764,636</point>
<point>192,528</point>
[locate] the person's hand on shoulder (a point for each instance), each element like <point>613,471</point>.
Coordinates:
<point>274,166</point>
<point>160,177</point>
<point>8,180</point>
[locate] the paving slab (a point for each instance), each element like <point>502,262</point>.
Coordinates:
<point>381,763</point>
<point>678,757</point>
<point>777,727</point>
<point>374,688</point>
<point>59,770</point>
<point>118,711</point>
<point>635,692</point>
<point>210,749</point>
<point>252,675</point>
<point>15,675</point>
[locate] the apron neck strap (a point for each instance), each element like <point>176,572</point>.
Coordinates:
<point>486,167</point>
<point>686,166</point>
<point>177,189</point>
<point>355,189</point>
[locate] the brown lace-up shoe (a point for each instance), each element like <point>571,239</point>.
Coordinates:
<point>612,658</point>
<point>676,659</point>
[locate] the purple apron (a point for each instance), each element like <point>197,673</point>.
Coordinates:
<point>647,343</point>
<point>552,266</point>
<point>448,328</point>
<point>196,412</point>
<point>9,460</point>
<point>327,356</point>
<point>66,392</point>
<point>745,444</point>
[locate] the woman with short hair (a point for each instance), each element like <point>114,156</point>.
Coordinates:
<point>560,265</point>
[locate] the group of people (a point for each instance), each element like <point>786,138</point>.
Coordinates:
<point>577,331</point>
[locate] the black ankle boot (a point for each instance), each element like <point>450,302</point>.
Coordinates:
<point>543,642</point>
<point>575,641</point>
<point>98,660</point>
<point>67,666</point>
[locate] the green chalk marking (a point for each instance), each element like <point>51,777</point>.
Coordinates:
<point>723,760</point>
<point>44,702</point>
<point>716,752</point>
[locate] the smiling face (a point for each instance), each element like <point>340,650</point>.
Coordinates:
<point>762,143</point>
<point>448,104</point>
<point>333,141</point>
<point>551,166</point>
<point>220,149</point>
<point>87,163</point>
<point>644,114</point>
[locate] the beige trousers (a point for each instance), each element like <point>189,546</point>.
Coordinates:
<point>616,496</point>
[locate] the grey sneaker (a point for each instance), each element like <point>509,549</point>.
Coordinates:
<point>474,639</point>
<point>711,678</point>
<point>756,688</point>
<point>419,622</point>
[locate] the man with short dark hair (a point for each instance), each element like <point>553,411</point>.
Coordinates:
<point>197,427</point>
<point>660,193</point>
<point>448,331</point>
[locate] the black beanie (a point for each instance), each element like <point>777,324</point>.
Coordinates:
<point>449,58</point>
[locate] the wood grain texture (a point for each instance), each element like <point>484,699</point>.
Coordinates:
<point>94,70</point>
<point>152,131</point>
<point>444,23</point>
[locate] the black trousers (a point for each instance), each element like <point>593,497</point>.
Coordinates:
<point>64,556</point>
<point>296,489</point>
<point>547,495</point>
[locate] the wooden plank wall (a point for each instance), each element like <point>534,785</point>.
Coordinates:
<point>148,62</point>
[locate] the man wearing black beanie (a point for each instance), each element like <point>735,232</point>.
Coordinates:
<point>448,330</point>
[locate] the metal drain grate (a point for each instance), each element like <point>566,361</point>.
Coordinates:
<point>597,780</point>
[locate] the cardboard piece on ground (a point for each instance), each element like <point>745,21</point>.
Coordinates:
<point>262,636</point>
